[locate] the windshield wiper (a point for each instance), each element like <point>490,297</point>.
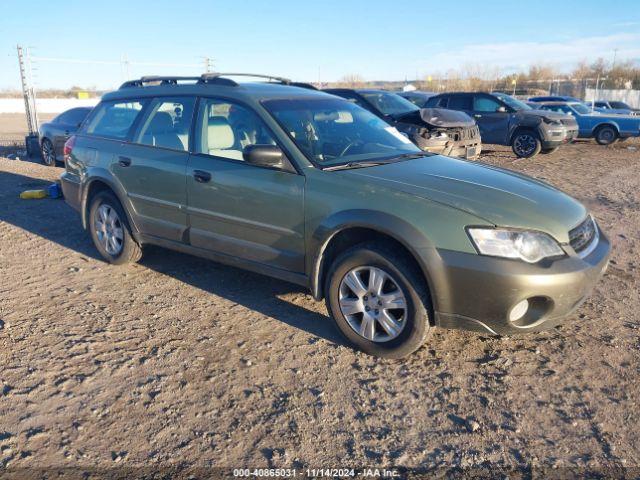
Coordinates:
<point>373,163</point>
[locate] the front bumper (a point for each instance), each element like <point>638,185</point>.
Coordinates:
<point>477,292</point>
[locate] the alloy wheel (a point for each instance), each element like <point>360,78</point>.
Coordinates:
<point>373,303</point>
<point>109,229</point>
<point>524,144</point>
<point>48,154</point>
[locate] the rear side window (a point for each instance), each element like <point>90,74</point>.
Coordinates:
<point>168,123</point>
<point>460,102</point>
<point>114,119</point>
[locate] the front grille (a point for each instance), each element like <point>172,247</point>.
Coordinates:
<point>466,133</point>
<point>581,237</point>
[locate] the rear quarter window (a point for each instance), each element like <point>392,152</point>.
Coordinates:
<point>114,119</point>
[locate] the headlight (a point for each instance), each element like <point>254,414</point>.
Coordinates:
<point>549,121</point>
<point>524,245</point>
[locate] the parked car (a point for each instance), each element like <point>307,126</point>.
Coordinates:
<point>313,189</point>
<point>417,97</point>
<point>503,120</point>
<point>606,129</point>
<point>554,98</point>
<point>53,134</point>
<point>433,130</point>
<point>612,106</point>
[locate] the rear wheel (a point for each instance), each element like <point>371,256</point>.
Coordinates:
<point>48,153</point>
<point>378,300</point>
<point>606,135</point>
<point>547,151</point>
<point>110,230</point>
<point>526,144</point>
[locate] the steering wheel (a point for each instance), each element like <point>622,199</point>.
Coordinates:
<point>349,146</point>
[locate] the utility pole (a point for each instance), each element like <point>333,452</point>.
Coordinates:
<point>208,64</point>
<point>613,64</point>
<point>28,93</point>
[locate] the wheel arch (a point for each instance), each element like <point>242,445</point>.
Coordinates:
<point>338,234</point>
<point>608,123</point>
<point>96,184</point>
<point>524,128</point>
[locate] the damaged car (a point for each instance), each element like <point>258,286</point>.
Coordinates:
<point>433,130</point>
<point>504,120</point>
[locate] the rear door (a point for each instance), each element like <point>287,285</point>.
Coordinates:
<point>494,125</point>
<point>152,167</point>
<point>238,209</point>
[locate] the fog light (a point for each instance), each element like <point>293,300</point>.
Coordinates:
<point>518,311</point>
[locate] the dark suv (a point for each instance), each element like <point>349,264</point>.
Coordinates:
<point>434,130</point>
<point>503,120</point>
<point>310,188</point>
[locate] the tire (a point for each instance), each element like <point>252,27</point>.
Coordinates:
<point>410,326</point>
<point>48,153</point>
<point>123,248</point>
<point>526,144</point>
<point>548,151</point>
<point>606,135</point>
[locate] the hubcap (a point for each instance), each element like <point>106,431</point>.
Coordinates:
<point>373,304</point>
<point>606,135</point>
<point>525,144</point>
<point>109,229</point>
<point>47,153</point>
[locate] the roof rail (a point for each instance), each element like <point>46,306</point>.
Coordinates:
<point>169,80</point>
<point>212,76</point>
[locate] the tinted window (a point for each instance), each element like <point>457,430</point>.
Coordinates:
<point>168,123</point>
<point>225,129</point>
<point>619,105</point>
<point>436,102</point>
<point>485,104</point>
<point>601,105</point>
<point>114,119</point>
<point>332,131</point>
<point>75,116</point>
<point>460,102</point>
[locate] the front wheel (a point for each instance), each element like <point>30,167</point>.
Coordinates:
<point>606,135</point>
<point>378,300</point>
<point>110,230</point>
<point>526,144</point>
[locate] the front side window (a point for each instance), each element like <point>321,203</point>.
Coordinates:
<point>114,119</point>
<point>514,103</point>
<point>168,123</point>
<point>333,131</point>
<point>485,104</point>
<point>226,128</point>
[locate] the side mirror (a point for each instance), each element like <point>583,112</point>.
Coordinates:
<point>268,156</point>
<point>501,109</point>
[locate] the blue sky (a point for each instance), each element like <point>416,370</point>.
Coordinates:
<point>307,40</point>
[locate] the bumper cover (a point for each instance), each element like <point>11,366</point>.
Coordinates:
<point>479,291</point>
<point>71,190</point>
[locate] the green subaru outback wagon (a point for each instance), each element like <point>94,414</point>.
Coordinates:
<point>310,188</point>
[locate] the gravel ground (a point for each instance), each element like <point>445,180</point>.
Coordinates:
<point>182,361</point>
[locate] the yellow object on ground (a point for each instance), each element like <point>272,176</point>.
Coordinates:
<point>33,194</point>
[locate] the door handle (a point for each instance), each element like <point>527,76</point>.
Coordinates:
<point>201,176</point>
<point>124,161</point>
<point>478,116</point>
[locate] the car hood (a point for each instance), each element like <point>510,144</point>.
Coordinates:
<point>499,196</point>
<point>541,114</point>
<point>437,118</point>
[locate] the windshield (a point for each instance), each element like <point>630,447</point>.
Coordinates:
<point>517,105</point>
<point>331,131</point>
<point>621,105</point>
<point>389,103</point>
<point>581,108</point>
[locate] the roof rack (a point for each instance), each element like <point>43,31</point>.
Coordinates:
<point>210,78</point>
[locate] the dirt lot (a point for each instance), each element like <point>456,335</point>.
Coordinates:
<point>181,361</point>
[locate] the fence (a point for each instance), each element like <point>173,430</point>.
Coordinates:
<point>630,97</point>
<point>45,105</point>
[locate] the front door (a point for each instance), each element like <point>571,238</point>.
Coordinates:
<point>237,209</point>
<point>153,166</point>
<point>493,124</point>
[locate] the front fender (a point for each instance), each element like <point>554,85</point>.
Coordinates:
<point>398,229</point>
